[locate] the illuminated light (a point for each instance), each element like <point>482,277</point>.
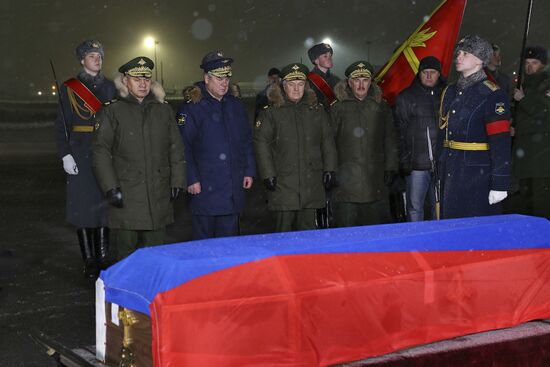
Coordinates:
<point>53,93</point>
<point>39,93</point>
<point>149,42</point>
<point>327,40</point>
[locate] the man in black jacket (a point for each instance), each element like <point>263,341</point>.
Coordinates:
<point>416,113</point>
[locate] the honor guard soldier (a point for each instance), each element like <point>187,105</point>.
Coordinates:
<point>364,132</point>
<point>218,146</point>
<point>474,164</point>
<point>138,159</point>
<point>531,153</point>
<point>80,99</point>
<point>295,151</point>
<point>321,79</point>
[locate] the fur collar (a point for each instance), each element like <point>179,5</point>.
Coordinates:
<point>156,89</point>
<point>277,97</point>
<point>465,82</point>
<point>343,92</point>
<point>192,93</point>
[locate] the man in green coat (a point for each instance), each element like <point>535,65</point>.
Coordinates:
<point>531,152</point>
<point>138,159</point>
<point>295,151</point>
<point>367,151</point>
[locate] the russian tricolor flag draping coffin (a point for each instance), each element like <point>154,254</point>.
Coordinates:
<point>318,298</point>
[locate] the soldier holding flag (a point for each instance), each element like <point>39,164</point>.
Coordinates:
<point>80,99</point>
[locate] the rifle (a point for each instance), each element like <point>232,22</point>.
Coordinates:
<point>324,215</point>
<point>60,102</point>
<point>437,182</point>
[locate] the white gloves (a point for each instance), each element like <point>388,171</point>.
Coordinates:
<point>69,165</point>
<point>497,196</point>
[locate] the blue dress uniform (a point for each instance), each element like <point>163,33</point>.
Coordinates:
<point>475,149</point>
<point>219,152</point>
<point>86,206</point>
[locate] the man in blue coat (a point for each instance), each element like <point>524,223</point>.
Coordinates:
<point>218,149</point>
<point>475,139</point>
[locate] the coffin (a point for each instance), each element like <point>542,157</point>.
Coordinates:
<point>319,298</point>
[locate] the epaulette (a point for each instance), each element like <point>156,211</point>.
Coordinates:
<point>491,85</point>
<point>110,102</point>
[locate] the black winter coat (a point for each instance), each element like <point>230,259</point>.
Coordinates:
<point>416,108</point>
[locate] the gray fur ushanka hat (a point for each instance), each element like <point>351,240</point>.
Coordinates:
<point>476,46</point>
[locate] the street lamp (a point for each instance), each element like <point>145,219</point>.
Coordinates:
<point>150,42</point>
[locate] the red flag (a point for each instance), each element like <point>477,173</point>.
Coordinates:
<point>435,37</point>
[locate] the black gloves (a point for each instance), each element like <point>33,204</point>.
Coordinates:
<point>114,197</point>
<point>329,179</point>
<point>270,183</point>
<point>389,177</point>
<point>175,193</point>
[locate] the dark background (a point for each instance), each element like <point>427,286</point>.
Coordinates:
<point>258,34</point>
<point>41,286</point>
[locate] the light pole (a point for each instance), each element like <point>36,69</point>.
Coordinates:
<point>151,42</point>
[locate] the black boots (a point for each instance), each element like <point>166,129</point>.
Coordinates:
<point>94,246</point>
<point>101,242</point>
<point>85,239</point>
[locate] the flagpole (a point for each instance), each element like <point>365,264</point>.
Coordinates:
<point>522,52</point>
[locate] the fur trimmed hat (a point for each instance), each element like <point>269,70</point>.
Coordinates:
<point>537,52</point>
<point>476,46</point>
<point>86,47</point>
<point>317,50</point>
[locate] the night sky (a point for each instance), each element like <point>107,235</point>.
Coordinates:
<point>258,34</point>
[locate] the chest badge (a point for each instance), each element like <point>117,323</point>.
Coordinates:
<point>96,126</point>
<point>258,124</point>
<point>181,119</point>
<point>499,108</point>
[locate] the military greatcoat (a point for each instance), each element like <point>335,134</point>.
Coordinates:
<point>86,206</point>
<point>474,149</point>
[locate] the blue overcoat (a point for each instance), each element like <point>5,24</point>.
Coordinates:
<point>219,152</point>
<point>86,205</point>
<point>478,114</point>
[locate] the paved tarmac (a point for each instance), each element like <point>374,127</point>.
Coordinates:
<point>41,284</point>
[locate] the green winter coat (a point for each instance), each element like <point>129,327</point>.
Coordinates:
<point>366,142</point>
<point>294,143</point>
<point>138,148</point>
<point>531,156</point>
